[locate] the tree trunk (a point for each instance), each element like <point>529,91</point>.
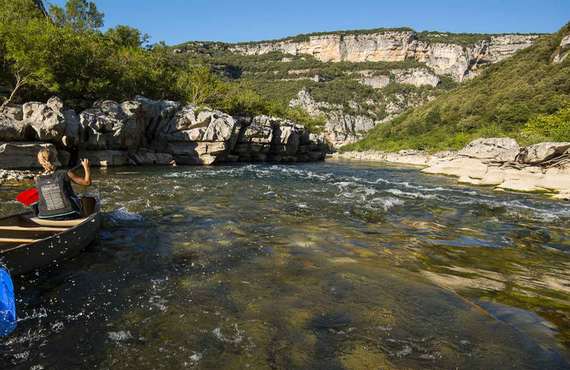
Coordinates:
<point>19,83</point>
<point>40,5</point>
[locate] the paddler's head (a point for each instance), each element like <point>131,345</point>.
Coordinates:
<point>47,159</point>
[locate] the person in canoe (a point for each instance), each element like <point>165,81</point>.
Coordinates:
<point>57,200</point>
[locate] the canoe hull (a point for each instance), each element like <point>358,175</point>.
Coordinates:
<point>54,249</point>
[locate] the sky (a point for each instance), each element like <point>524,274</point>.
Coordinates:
<point>177,21</point>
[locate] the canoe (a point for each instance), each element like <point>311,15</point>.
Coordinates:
<point>28,243</point>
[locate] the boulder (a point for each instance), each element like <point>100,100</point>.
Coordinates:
<point>191,124</point>
<point>197,153</point>
<point>286,137</point>
<point>542,152</point>
<point>48,123</point>
<point>105,158</point>
<point>17,155</point>
<point>146,157</point>
<point>196,136</point>
<point>14,112</point>
<point>260,131</point>
<point>157,114</point>
<point>14,130</point>
<point>492,149</point>
<point>112,126</point>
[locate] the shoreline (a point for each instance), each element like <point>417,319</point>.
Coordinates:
<point>502,175</point>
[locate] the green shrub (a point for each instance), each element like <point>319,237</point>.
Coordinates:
<point>548,127</point>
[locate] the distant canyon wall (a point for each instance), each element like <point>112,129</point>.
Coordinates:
<point>445,58</point>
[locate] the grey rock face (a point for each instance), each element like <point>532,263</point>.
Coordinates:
<point>542,152</point>
<point>374,81</point>
<point>340,128</point>
<point>497,149</point>
<point>47,120</point>
<point>110,125</point>
<point>11,129</point>
<point>416,76</point>
<point>144,132</point>
<point>17,155</point>
<point>389,46</point>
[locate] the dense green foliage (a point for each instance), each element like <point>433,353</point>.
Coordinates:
<point>527,91</point>
<point>81,15</point>
<point>279,77</point>
<point>75,61</point>
<point>65,53</point>
<point>548,127</point>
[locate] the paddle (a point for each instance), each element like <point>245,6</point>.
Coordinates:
<point>31,196</point>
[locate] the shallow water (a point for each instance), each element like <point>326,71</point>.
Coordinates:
<point>327,266</point>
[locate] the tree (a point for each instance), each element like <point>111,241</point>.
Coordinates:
<point>125,36</point>
<point>40,5</point>
<point>18,11</point>
<point>198,85</point>
<point>27,50</point>
<point>81,15</point>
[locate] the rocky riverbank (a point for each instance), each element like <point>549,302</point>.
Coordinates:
<point>497,162</point>
<point>147,132</point>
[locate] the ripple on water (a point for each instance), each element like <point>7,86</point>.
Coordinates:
<point>308,266</point>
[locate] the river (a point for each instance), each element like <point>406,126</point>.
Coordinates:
<point>329,265</point>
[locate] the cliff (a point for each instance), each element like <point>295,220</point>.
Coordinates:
<point>143,132</point>
<point>439,51</point>
<point>525,97</point>
<point>358,80</point>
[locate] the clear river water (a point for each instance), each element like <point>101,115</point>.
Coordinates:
<point>316,266</point>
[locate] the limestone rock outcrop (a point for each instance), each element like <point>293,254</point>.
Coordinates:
<point>146,132</point>
<point>16,155</point>
<point>340,128</point>
<point>368,78</point>
<point>490,162</point>
<point>114,126</point>
<point>416,76</point>
<point>445,58</point>
<point>563,50</point>
<point>496,149</point>
<point>13,130</point>
<point>543,152</point>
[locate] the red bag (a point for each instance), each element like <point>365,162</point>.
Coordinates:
<point>28,197</point>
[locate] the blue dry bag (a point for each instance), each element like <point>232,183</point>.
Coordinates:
<point>7,303</point>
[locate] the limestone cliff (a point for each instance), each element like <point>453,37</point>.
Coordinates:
<point>439,51</point>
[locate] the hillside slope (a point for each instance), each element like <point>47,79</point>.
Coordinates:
<point>356,80</point>
<point>512,98</point>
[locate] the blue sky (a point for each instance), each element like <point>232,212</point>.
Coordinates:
<point>176,21</point>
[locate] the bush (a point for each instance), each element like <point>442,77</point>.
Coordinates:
<point>548,127</point>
